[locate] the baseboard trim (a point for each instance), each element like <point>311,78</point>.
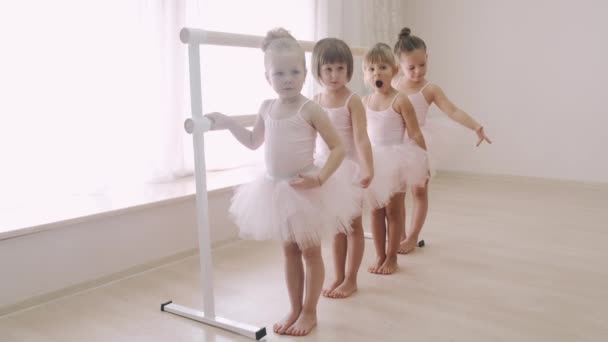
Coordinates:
<point>33,302</point>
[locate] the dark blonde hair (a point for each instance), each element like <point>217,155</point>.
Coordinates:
<point>328,51</point>
<point>379,53</point>
<point>280,40</point>
<point>406,42</point>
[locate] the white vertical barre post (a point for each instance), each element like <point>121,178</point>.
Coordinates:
<point>200,171</point>
<point>198,125</point>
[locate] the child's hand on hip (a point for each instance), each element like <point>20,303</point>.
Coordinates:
<point>302,182</point>
<point>365,181</point>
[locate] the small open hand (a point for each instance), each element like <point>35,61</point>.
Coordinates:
<point>302,182</point>
<point>365,181</point>
<point>218,120</point>
<point>482,136</point>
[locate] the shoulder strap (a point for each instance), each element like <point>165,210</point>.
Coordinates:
<point>302,106</point>
<point>348,99</point>
<point>394,98</point>
<point>266,113</point>
<point>317,98</point>
<point>367,99</point>
<point>399,81</point>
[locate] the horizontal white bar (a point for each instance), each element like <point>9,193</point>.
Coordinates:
<point>203,124</point>
<point>198,36</point>
<point>197,123</point>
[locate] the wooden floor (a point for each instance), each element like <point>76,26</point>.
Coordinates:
<point>507,259</point>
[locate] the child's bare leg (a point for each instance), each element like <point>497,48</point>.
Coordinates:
<point>421,206</point>
<point>294,276</point>
<point>339,251</point>
<point>395,214</point>
<point>315,273</point>
<point>378,222</point>
<point>356,245</point>
<point>404,230</point>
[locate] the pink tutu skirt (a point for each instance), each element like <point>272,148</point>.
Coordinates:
<point>435,131</point>
<point>406,165</point>
<point>376,195</point>
<point>271,209</point>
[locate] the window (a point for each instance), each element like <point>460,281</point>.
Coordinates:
<point>94,94</point>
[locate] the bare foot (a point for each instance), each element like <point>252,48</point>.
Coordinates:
<point>374,267</point>
<point>326,291</point>
<point>345,289</point>
<point>406,246</point>
<point>389,266</point>
<point>303,325</point>
<point>282,326</point>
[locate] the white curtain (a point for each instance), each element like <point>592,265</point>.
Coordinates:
<point>361,22</point>
<point>90,91</point>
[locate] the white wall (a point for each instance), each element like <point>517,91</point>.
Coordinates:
<point>42,263</point>
<point>533,72</point>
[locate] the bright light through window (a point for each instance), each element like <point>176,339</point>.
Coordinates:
<point>93,94</point>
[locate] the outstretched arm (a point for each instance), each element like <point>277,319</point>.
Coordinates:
<point>457,114</point>
<point>362,144</point>
<point>250,139</point>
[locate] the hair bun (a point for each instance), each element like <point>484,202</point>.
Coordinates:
<point>275,34</point>
<point>405,33</point>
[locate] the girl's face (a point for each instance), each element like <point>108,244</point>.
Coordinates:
<point>286,73</point>
<point>334,76</point>
<point>414,64</point>
<point>379,75</point>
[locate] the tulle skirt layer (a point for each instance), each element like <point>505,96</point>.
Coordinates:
<point>376,195</point>
<point>271,209</point>
<point>406,165</point>
<point>436,132</point>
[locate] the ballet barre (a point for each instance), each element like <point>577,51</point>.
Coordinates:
<point>193,36</point>
<point>199,36</point>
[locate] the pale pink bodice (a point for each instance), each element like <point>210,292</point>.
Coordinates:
<point>385,127</point>
<point>342,122</point>
<point>289,144</point>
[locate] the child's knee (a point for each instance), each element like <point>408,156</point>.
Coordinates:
<point>312,254</point>
<point>419,192</point>
<point>357,225</point>
<point>395,210</point>
<point>292,250</point>
<point>395,214</point>
<point>379,212</point>
<point>357,229</point>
